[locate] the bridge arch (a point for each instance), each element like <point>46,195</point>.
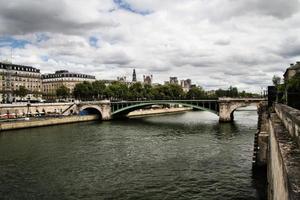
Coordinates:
<point>90,110</point>
<point>226,112</point>
<point>125,108</point>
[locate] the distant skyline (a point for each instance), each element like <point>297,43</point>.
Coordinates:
<point>216,43</point>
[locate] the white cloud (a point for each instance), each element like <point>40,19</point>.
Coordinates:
<point>217,43</point>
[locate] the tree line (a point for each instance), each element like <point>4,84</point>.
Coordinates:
<point>136,91</point>
<point>288,91</point>
<point>98,90</point>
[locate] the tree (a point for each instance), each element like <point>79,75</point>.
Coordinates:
<point>136,91</point>
<point>148,94</point>
<point>276,80</point>
<point>21,92</point>
<point>233,92</point>
<point>117,91</point>
<point>98,89</point>
<point>83,90</point>
<point>195,93</point>
<point>175,91</point>
<point>221,93</point>
<point>293,84</point>
<point>293,91</point>
<point>63,92</point>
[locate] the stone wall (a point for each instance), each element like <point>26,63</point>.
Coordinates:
<point>227,106</point>
<point>283,156</point>
<point>46,122</point>
<point>291,120</point>
<point>261,141</point>
<point>34,108</point>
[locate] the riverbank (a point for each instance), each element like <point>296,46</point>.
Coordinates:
<point>38,122</point>
<point>160,111</point>
<point>49,121</point>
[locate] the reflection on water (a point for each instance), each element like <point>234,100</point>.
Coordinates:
<point>182,156</point>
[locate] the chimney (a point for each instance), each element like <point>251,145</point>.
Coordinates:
<point>292,64</point>
<point>298,62</point>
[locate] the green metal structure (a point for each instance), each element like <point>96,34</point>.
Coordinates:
<point>122,108</point>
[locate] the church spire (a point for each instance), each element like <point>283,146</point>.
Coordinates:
<point>133,76</point>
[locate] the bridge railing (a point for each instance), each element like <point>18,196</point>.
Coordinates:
<point>241,99</point>
<point>166,100</point>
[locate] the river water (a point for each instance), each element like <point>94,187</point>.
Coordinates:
<point>181,156</point>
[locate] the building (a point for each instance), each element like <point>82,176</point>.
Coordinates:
<point>148,79</point>
<point>134,76</point>
<point>186,84</point>
<point>174,80</point>
<point>211,93</point>
<point>13,76</point>
<point>292,71</point>
<point>121,78</point>
<point>51,82</point>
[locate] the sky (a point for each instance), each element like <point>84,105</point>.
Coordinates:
<point>216,43</point>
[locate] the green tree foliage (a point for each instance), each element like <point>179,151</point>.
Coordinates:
<point>148,91</point>
<point>234,93</point>
<point>230,92</point>
<point>83,91</point>
<point>168,91</point>
<point>63,92</point>
<point>137,91</point>
<point>276,80</point>
<point>117,91</point>
<point>21,92</point>
<point>293,85</point>
<point>195,93</point>
<point>174,91</point>
<point>98,89</point>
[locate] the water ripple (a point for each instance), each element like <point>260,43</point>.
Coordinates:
<point>184,156</point>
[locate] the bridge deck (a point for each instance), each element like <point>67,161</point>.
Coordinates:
<point>128,106</point>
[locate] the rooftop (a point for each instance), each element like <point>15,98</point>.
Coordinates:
<point>4,65</point>
<point>294,66</point>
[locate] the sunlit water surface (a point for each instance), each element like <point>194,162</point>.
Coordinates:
<point>182,156</point>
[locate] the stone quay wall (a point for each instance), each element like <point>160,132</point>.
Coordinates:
<point>21,109</point>
<point>291,120</point>
<point>261,139</point>
<point>46,122</point>
<point>284,154</point>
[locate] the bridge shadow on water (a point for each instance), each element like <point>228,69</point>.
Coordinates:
<point>174,126</point>
<point>188,154</point>
<point>179,127</point>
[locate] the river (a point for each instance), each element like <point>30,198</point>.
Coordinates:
<point>181,156</point>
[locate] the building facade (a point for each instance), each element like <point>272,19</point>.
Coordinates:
<point>174,80</point>
<point>13,76</point>
<point>292,71</point>
<point>186,84</point>
<point>148,79</point>
<point>51,82</point>
<point>121,79</point>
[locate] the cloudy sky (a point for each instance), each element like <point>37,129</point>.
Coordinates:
<point>216,43</point>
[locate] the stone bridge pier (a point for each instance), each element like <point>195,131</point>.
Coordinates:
<point>227,106</point>
<point>103,108</point>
